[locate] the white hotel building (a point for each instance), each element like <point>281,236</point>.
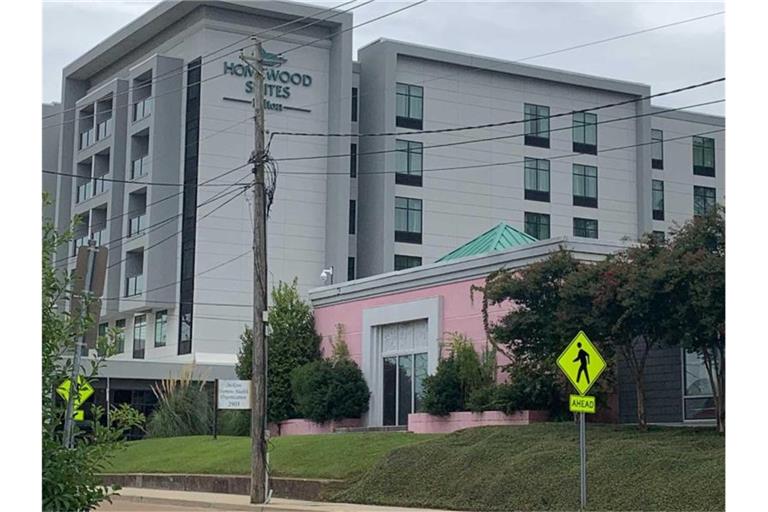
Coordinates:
<point>163,111</point>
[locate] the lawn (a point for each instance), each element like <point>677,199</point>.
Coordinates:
<point>533,467</point>
<point>536,467</point>
<point>320,456</point>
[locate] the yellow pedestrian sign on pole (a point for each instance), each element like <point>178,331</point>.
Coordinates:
<point>581,363</point>
<point>84,390</point>
<point>579,403</point>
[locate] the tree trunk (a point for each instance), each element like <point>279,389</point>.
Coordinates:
<point>716,373</point>
<point>640,394</point>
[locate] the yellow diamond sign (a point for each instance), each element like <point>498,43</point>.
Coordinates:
<point>84,390</point>
<point>581,363</point>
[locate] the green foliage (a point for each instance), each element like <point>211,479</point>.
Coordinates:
<point>70,475</point>
<point>235,422</point>
<point>184,408</point>
<point>340,349</point>
<point>292,342</point>
<point>527,389</point>
<point>442,391</point>
<point>457,377</point>
<point>326,390</point>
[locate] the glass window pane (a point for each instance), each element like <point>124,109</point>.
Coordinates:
<point>699,408</point>
<point>390,401</point>
<point>402,105</point>
<point>544,181</point>
<point>402,89</point>
<point>416,108</point>
<point>405,389</point>
<point>401,219</point>
<point>401,156</point>
<point>419,374</point>
<point>696,378</point>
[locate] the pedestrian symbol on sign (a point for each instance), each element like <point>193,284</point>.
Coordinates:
<point>582,358</point>
<point>581,363</point>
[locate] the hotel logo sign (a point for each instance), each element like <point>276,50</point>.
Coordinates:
<point>279,83</point>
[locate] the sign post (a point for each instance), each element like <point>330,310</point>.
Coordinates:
<point>582,364</point>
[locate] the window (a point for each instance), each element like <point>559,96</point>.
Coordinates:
<point>659,236</point>
<point>161,327</point>
<point>353,160</point>
<point>584,185</point>
<point>120,339</point>
<point>585,133</point>
<point>703,200</point>
<point>403,386</point>
<point>698,401</point>
<point>354,104</point>
<point>537,225</point>
<point>536,125</point>
<point>101,333</point>
<point>403,262</point>
<point>585,228</point>
<point>703,156</point>
<point>410,106</point>
<point>408,162</point>
<point>537,179</point>
<point>657,149</point>
<point>139,336</point>
<point>350,268</point>
<point>352,216</point>
<point>657,199</point>
<point>407,220</point>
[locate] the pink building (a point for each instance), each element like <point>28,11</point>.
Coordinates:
<point>394,323</point>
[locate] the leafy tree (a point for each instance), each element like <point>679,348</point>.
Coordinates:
<point>442,391</point>
<point>70,475</point>
<point>696,317</point>
<point>291,342</point>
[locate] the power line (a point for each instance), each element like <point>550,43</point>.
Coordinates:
<point>173,73</point>
<point>486,139</point>
<point>492,68</point>
<point>501,123</point>
<point>377,18</point>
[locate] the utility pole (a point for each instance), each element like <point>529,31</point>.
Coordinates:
<point>259,481</point>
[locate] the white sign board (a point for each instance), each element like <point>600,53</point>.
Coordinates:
<point>234,394</point>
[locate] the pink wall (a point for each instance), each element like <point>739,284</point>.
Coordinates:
<point>423,423</point>
<point>460,313</point>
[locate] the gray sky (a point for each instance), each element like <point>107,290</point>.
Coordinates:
<point>665,59</point>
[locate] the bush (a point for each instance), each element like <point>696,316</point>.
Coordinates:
<point>324,390</point>
<point>184,408</point>
<point>529,388</point>
<point>458,377</point>
<point>442,391</point>
<point>235,422</point>
<point>483,399</point>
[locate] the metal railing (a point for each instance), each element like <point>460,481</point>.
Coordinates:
<point>137,224</point>
<point>139,167</point>
<point>79,242</point>
<point>85,191</point>
<point>87,138</point>
<point>134,285</point>
<point>104,129</point>
<point>142,109</point>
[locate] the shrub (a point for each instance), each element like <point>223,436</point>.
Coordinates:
<point>292,342</point>
<point>442,391</point>
<point>324,390</point>
<point>184,408</point>
<point>483,399</point>
<point>529,388</point>
<point>235,422</point>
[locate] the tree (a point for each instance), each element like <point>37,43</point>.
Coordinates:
<point>533,333</point>
<point>71,475</point>
<point>291,342</point>
<point>696,318</point>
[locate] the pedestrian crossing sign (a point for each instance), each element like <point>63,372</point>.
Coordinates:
<point>581,363</point>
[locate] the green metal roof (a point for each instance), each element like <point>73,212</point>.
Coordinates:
<point>500,237</point>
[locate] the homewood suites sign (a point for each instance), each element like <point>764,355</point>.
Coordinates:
<point>278,83</point>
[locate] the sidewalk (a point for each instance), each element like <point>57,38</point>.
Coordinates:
<point>144,499</point>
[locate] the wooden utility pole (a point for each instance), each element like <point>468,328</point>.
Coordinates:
<point>259,368</point>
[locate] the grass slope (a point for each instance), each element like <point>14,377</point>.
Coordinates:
<point>537,468</point>
<point>320,456</point>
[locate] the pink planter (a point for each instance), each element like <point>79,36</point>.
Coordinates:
<point>302,427</point>
<point>424,423</point>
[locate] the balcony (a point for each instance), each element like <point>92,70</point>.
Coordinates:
<point>79,242</point>
<point>104,129</point>
<point>85,191</point>
<point>87,138</point>
<point>99,236</point>
<point>134,285</point>
<point>137,225</point>
<point>139,167</point>
<point>100,185</point>
<point>142,109</point>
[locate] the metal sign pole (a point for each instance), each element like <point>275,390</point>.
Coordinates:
<point>583,457</point>
<point>215,407</point>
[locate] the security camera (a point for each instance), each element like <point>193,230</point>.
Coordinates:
<point>326,275</point>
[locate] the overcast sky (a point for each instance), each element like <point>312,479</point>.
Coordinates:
<point>665,59</point>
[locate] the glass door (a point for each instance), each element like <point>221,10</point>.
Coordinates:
<point>403,385</point>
